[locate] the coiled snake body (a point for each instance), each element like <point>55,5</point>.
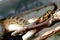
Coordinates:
<point>17,20</point>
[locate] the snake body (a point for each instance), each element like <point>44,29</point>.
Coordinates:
<point>22,22</point>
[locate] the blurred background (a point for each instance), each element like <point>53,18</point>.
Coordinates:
<point>9,7</point>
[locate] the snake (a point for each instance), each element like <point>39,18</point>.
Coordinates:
<point>18,20</point>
